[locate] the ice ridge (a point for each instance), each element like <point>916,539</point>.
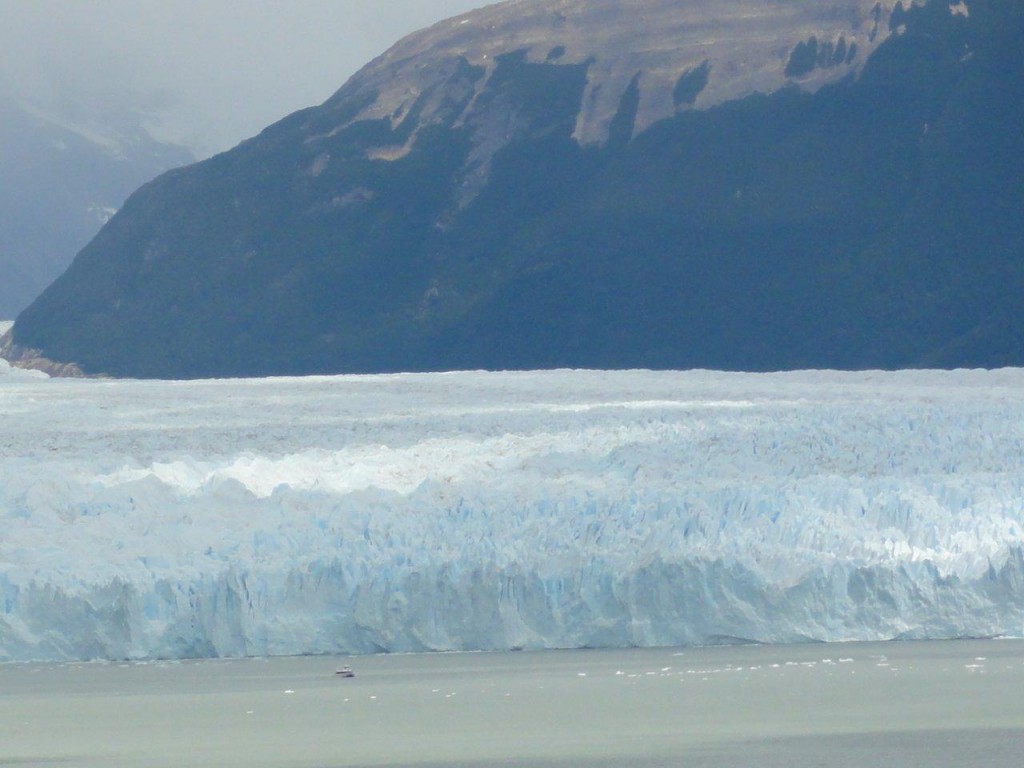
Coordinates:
<point>518,510</point>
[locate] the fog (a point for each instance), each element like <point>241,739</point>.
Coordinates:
<point>202,73</point>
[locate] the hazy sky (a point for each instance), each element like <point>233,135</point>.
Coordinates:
<point>204,73</point>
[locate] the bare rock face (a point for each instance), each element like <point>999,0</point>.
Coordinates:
<point>11,355</point>
<point>667,56</point>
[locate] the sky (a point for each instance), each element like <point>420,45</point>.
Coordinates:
<point>202,73</point>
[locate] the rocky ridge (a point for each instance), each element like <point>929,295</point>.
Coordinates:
<point>667,56</point>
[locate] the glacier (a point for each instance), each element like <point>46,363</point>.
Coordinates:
<point>475,510</point>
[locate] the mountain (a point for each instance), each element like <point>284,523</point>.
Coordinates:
<point>60,184</point>
<point>593,183</point>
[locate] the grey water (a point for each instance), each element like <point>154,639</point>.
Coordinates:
<point>907,705</point>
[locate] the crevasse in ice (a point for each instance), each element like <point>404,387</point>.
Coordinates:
<point>507,510</point>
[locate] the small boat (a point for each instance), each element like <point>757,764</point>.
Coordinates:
<point>345,671</point>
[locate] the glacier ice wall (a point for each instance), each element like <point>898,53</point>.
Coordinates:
<point>507,510</point>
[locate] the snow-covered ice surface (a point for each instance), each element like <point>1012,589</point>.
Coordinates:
<point>484,510</point>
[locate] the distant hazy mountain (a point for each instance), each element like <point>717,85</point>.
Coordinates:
<point>58,185</point>
<point>735,184</point>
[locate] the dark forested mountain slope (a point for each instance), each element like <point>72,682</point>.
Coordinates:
<point>738,185</point>
<point>58,185</point>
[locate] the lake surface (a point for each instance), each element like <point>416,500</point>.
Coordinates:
<point>865,704</point>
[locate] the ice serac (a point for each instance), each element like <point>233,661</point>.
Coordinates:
<point>493,511</point>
